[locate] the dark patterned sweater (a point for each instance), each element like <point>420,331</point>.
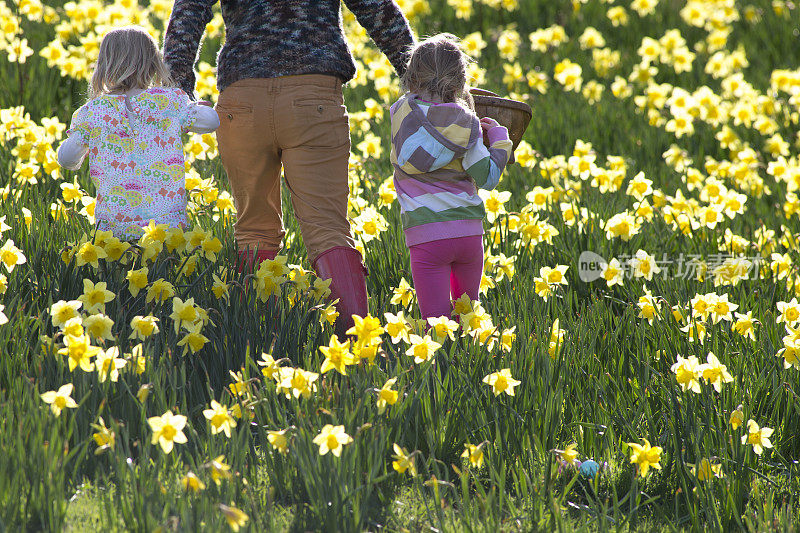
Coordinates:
<point>269,38</point>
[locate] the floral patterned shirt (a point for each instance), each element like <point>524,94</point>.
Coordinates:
<point>136,157</point>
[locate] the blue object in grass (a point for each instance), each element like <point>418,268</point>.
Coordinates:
<point>589,469</point>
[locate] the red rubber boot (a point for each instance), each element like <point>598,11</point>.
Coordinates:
<point>249,261</point>
<point>344,267</point>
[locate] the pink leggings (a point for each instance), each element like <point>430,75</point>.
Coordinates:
<point>445,269</point>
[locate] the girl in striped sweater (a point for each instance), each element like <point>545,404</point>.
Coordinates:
<point>440,160</point>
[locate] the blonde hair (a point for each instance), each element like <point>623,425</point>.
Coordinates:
<point>438,66</point>
<point>129,58</point>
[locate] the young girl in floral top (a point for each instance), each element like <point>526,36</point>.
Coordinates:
<point>131,131</point>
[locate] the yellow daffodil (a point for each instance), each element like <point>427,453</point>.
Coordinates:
<point>219,469</point>
<point>137,280</point>
<point>160,291</point>
<point>220,419</point>
<point>403,461</point>
<point>337,356</point>
<point>90,254</point>
<point>737,418</point>
<point>194,340</point>
<point>715,372</point>
<point>235,518</point>
<point>474,454</point>
<point>279,440</point>
<point>98,326</point>
<point>422,348</point>
<point>79,353</point>
<point>269,367</point>
<point>366,329</point>
<point>687,373</point>
<point>108,364</point>
<point>706,470</point>
<point>332,439</point>
<point>60,399</point>
<point>758,437</point>
<point>11,256</point>
<point>190,482</point>
<point>183,313</point>
<point>104,437</point>
<point>569,454</point>
<point>442,328</point>
<point>386,395</point>
<point>403,294</point>
<point>143,327</point>
<point>501,381</point>
<point>167,430</point>
<point>397,327</point>
<point>645,456</point>
<point>95,296</point>
<point>62,311</point>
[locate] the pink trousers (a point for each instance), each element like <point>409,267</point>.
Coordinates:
<point>445,269</point>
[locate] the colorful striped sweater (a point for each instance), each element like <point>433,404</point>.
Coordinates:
<point>440,161</point>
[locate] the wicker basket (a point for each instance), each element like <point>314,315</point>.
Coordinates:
<point>514,115</point>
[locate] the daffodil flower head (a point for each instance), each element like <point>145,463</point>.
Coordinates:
<point>337,356</point>
<point>403,460</point>
<point>60,399</point>
<point>645,456</point>
<point>62,311</point>
<point>190,482</point>
<point>279,440</point>
<point>219,469</point>
<point>442,328</point>
<point>220,419</point>
<point>687,373</point>
<point>403,294</point>
<point>474,454</point>
<point>502,381</point>
<point>706,470</point>
<point>104,437</point>
<point>397,326</point>
<point>569,454</point>
<point>194,340</point>
<point>332,439</point>
<point>167,430</point>
<point>714,372</point>
<point>757,436</point>
<point>236,518</point>
<point>108,364</point>
<point>422,348</point>
<point>387,395</point>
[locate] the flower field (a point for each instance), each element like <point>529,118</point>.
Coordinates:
<point>632,363</point>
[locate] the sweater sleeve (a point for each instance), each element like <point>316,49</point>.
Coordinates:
<point>206,118</point>
<point>71,152</point>
<point>182,39</point>
<point>387,27</point>
<point>486,165</point>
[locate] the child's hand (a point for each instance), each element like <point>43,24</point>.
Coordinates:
<point>488,123</point>
<point>492,131</point>
<point>205,103</point>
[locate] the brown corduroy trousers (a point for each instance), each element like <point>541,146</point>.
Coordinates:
<point>298,123</point>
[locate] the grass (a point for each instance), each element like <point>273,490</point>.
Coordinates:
<point>609,383</point>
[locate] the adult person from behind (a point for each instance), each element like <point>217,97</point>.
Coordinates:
<point>280,75</point>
